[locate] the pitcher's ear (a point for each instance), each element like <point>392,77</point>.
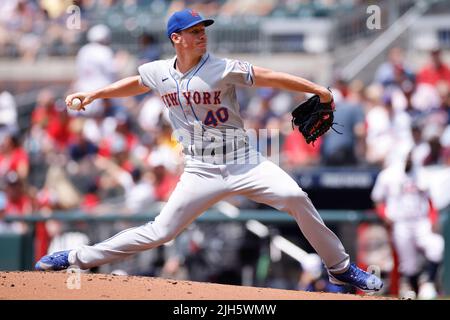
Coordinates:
<point>175,37</point>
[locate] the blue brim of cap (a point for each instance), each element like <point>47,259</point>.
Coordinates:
<point>207,22</point>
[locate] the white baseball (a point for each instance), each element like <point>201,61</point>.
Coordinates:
<point>76,104</point>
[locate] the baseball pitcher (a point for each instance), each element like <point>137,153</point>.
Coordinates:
<point>199,91</point>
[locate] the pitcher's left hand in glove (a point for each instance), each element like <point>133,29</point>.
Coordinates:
<point>313,118</point>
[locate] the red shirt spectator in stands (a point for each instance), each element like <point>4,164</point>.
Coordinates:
<point>18,203</point>
<point>165,182</point>
<point>55,121</point>
<point>436,71</point>
<point>298,153</point>
<point>13,157</point>
<point>91,198</point>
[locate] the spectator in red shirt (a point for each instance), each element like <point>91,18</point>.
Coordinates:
<point>13,156</point>
<point>53,119</point>
<point>298,153</point>
<point>45,110</point>
<point>165,182</point>
<point>18,202</point>
<point>91,199</point>
<point>436,71</point>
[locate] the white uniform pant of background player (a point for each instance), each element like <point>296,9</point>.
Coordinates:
<point>198,189</point>
<point>413,237</point>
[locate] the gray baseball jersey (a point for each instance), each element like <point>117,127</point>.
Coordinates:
<point>203,97</point>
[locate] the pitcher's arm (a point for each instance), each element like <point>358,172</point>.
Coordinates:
<point>281,80</point>
<point>130,86</point>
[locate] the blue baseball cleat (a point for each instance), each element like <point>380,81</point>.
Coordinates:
<point>358,278</point>
<point>53,262</point>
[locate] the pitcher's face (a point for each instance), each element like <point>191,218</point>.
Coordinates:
<point>193,39</point>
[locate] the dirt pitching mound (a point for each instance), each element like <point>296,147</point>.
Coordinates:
<point>85,286</point>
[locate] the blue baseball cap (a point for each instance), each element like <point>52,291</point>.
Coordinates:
<point>184,19</point>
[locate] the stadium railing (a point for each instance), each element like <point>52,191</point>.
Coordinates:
<point>17,252</point>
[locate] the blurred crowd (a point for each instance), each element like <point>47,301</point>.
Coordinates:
<point>32,29</point>
<point>126,143</point>
<point>29,29</point>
